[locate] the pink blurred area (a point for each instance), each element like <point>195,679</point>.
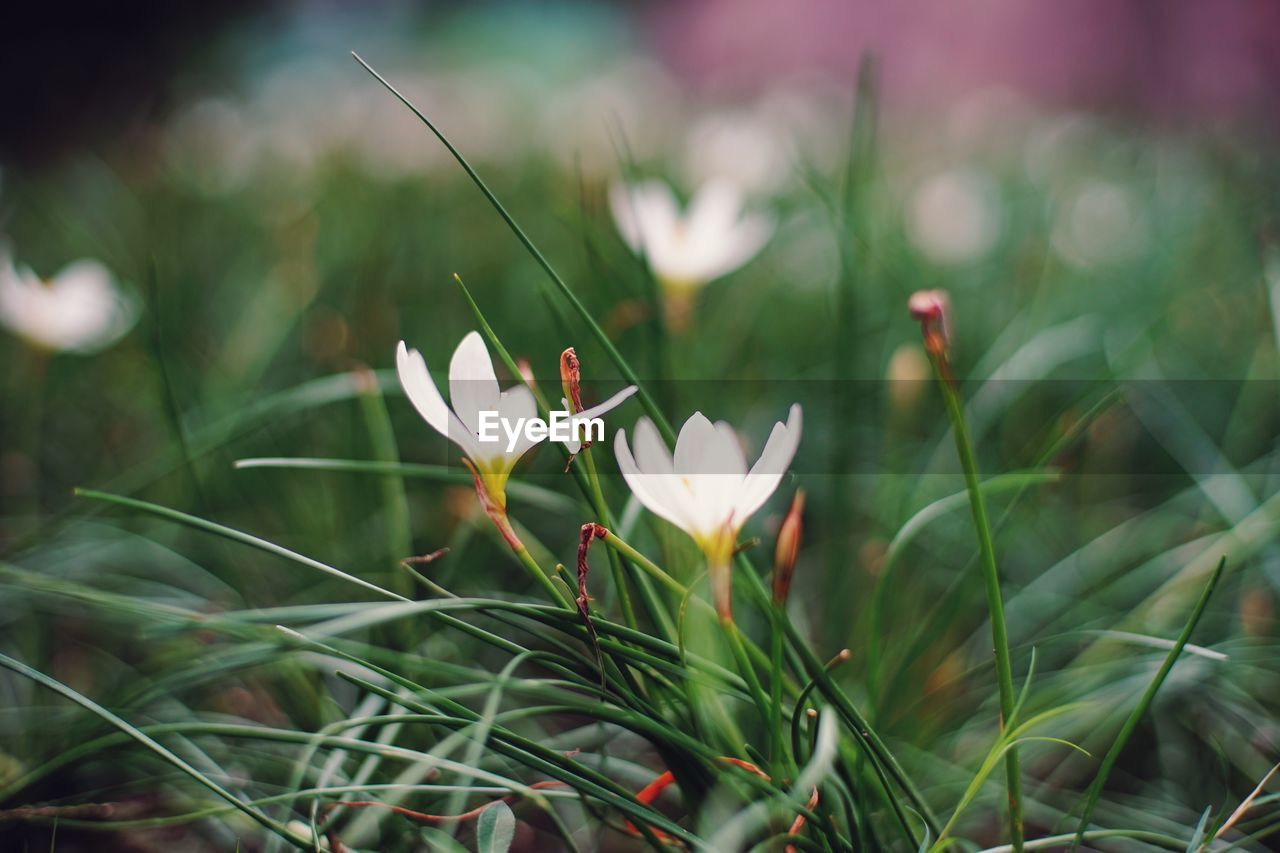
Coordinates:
<point>1163,57</point>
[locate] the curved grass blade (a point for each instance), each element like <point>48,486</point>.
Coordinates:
<point>530,494</point>
<point>907,534</point>
<point>1198,837</point>
<point>1245,804</point>
<point>235,536</point>
<point>615,356</point>
<point>1109,760</point>
<point>1009,739</point>
<point>151,744</point>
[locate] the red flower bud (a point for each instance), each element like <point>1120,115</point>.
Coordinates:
<point>788,547</point>
<point>570,379</point>
<point>933,309</point>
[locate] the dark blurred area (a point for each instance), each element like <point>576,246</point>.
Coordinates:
<point>73,74</point>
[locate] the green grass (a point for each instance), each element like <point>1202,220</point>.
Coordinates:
<point>216,634</point>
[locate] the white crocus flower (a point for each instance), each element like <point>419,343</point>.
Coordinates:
<point>686,249</point>
<point>78,310</point>
<point>705,489</point>
<point>473,388</point>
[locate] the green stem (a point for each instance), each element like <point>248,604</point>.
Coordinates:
<point>615,564</point>
<point>621,546</point>
<point>540,575</point>
<point>995,604</point>
<point>745,668</point>
<point>617,543</point>
<point>778,756</point>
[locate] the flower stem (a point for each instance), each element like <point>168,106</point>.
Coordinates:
<point>991,576</point>
<point>625,549</point>
<point>778,756</point>
<point>736,645</point>
<point>540,575</point>
<point>615,564</point>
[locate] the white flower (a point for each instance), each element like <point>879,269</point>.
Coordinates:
<point>78,310</point>
<point>705,488</point>
<point>685,250</point>
<point>473,388</point>
<point>745,147</point>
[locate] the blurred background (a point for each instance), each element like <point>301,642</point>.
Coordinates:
<point>1095,182</point>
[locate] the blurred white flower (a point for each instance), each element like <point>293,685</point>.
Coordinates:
<point>473,388</point>
<point>705,489</point>
<point>1102,223</point>
<point>686,249</point>
<point>78,310</point>
<point>739,147</point>
<point>954,216</point>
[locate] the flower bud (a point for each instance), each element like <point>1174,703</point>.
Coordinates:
<point>933,309</point>
<point>788,547</point>
<point>570,379</point>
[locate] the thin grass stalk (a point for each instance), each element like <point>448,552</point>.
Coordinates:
<point>615,356</point>
<point>991,577</point>
<point>1148,696</point>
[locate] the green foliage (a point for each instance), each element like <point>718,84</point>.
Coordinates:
<point>218,636</point>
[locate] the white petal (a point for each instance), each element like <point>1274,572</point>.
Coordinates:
<point>92,313</point>
<point>652,490</point>
<point>738,246</point>
<point>421,389</point>
<point>422,392</point>
<point>612,403</point>
<point>705,462</point>
<point>80,310</point>
<point>713,212</point>
<point>473,387</point>
<point>768,471</point>
<point>671,489</point>
<point>727,458</point>
<point>622,205</point>
<point>652,454</point>
<point>696,437</point>
<point>644,212</point>
<point>515,404</point>
<point>83,278</point>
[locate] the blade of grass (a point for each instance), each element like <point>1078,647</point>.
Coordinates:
<point>1117,746</point>
<point>906,535</point>
<point>526,492</point>
<point>1245,804</point>
<point>1009,737</point>
<point>382,440</point>
<point>991,579</point>
<point>235,536</point>
<point>147,741</point>
<point>607,345</point>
